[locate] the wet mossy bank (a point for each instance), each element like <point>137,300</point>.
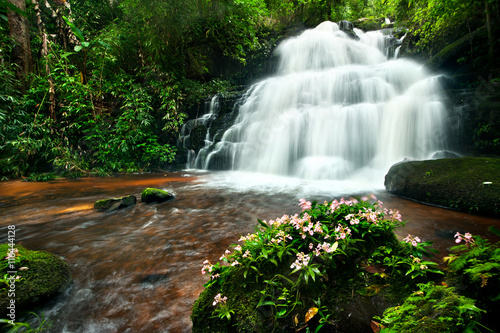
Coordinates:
<point>40,276</point>
<point>469,184</point>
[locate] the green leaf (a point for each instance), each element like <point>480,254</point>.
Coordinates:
<point>262,223</point>
<point>78,48</point>
<point>255,269</point>
<point>264,303</point>
<point>78,33</point>
<point>13,8</point>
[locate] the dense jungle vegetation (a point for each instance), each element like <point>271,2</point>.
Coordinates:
<point>102,86</point>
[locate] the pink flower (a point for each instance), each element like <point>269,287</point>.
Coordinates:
<point>302,260</point>
<point>218,298</point>
<point>305,204</point>
<point>412,240</point>
<point>207,267</point>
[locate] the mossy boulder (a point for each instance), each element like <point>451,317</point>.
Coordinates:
<point>115,203</point>
<point>469,184</point>
<point>46,276</point>
<point>369,23</point>
<point>151,195</point>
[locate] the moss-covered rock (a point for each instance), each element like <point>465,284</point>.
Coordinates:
<point>115,203</point>
<point>467,183</point>
<point>46,275</point>
<point>369,23</point>
<point>151,195</point>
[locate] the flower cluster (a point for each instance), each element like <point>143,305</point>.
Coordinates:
<point>353,219</point>
<point>326,247</point>
<point>337,204</point>
<point>248,238</point>
<point>219,299</point>
<point>207,267</point>
<point>305,204</point>
<point>467,237</point>
<point>225,255</point>
<point>308,231</point>
<point>302,260</point>
<point>413,240</point>
<point>342,232</point>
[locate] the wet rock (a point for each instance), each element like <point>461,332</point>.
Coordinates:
<point>369,24</point>
<point>348,28</point>
<point>115,203</point>
<point>465,183</point>
<point>42,275</point>
<point>151,195</point>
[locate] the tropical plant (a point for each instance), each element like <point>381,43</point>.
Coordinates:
<point>433,308</point>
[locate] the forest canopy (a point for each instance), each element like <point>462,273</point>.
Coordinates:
<point>102,86</point>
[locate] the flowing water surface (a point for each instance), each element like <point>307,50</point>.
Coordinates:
<point>138,269</point>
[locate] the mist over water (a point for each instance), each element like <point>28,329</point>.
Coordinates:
<point>337,109</point>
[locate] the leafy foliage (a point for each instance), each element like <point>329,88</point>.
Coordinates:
<point>433,308</point>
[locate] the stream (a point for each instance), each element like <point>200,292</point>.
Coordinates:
<point>138,269</point>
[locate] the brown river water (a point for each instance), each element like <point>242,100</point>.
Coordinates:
<point>138,269</point>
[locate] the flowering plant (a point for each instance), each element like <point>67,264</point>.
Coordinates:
<point>286,255</point>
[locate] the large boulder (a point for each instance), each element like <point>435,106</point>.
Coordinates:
<point>115,203</point>
<point>42,275</point>
<point>151,195</point>
<point>469,184</point>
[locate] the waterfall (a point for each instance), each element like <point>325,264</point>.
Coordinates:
<point>196,160</point>
<point>336,108</point>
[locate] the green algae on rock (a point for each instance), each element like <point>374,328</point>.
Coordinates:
<point>42,275</point>
<point>151,195</point>
<point>115,203</point>
<point>470,184</point>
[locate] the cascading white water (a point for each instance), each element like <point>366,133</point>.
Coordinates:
<point>195,160</point>
<point>335,109</point>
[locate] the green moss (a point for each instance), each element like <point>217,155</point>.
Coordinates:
<point>46,276</point>
<point>433,308</point>
<point>468,184</point>
<point>151,195</point>
<point>369,24</point>
<point>115,203</point>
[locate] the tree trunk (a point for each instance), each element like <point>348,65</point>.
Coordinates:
<point>19,31</point>
<point>45,52</point>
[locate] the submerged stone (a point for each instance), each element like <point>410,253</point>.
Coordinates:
<point>151,195</point>
<point>115,203</point>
